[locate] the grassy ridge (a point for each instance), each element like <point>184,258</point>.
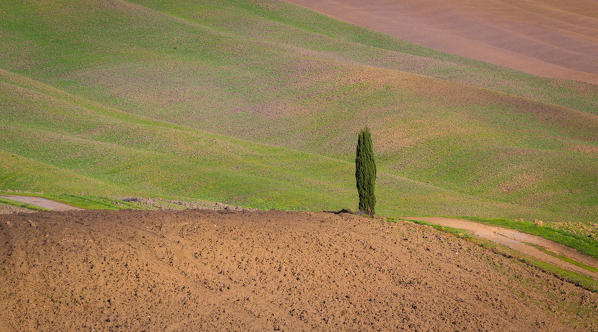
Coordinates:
<point>259,104</point>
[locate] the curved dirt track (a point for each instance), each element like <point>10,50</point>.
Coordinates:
<point>557,38</point>
<point>215,270</point>
<point>517,240</point>
<point>41,202</point>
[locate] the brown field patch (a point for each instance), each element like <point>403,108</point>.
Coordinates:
<point>214,270</point>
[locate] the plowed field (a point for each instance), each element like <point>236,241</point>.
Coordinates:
<point>196,270</point>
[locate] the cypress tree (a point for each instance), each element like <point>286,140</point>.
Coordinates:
<point>365,172</point>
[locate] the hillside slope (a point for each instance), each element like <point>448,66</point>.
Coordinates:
<point>178,98</point>
<point>59,143</point>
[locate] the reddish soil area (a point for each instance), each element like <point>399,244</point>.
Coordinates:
<point>215,270</point>
<point>556,38</point>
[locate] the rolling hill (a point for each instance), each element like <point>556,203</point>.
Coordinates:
<point>257,103</point>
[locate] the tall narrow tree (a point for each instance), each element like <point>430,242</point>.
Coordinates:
<point>365,172</point>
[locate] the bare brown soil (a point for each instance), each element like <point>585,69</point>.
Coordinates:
<point>520,241</point>
<point>549,38</point>
<point>41,202</point>
<point>215,270</point>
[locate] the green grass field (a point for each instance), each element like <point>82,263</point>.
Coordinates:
<point>258,104</point>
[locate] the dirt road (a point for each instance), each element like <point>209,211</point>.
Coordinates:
<point>216,270</point>
<point>41,202</point>
<point>519,241</point>
<point>547,38</point>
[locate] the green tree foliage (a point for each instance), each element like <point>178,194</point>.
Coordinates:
<point>365,172</point>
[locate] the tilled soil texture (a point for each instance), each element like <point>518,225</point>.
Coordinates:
<point>548,38</point>
<point>214,270</point>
